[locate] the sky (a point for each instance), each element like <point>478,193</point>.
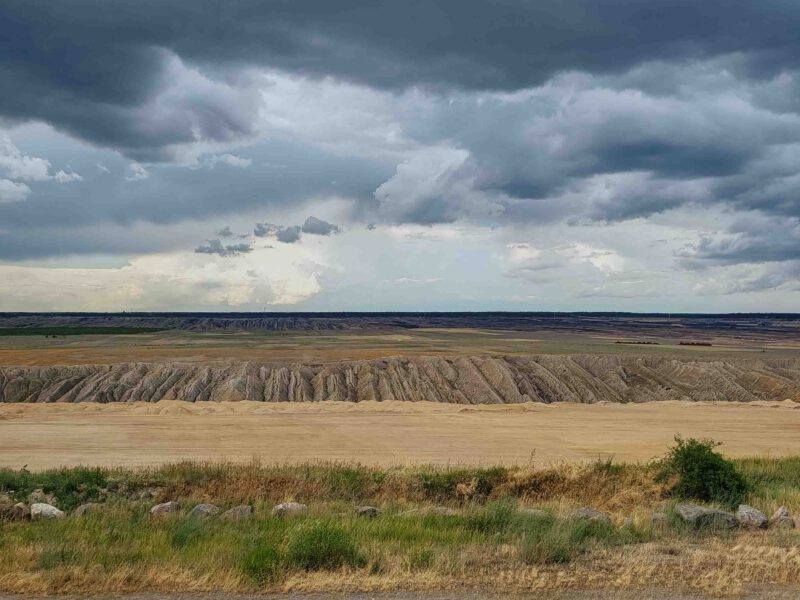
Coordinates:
<point>416,155</point>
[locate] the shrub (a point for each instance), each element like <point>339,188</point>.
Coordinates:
<point>495,517</point>
<point>703,474</point>
<point>559,541</point>
<point>322,545</point>
<point>261,562</point>
<point>71,486</point>
<point>186,532</point>
<point>55,554</point>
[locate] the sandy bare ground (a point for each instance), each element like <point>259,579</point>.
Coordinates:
<point>389,433</point>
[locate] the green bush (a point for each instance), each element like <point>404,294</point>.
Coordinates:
<point>496,517</point>
<point>703,474</point>
<point>321,546</point>
<point>71,487</point>
<point>261,562</point>
<point>548,541</point>
<point>187,532</point>
<point>56,554</point>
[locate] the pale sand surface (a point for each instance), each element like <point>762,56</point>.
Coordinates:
<point>389,433</point>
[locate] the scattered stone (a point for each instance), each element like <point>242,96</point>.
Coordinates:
<point>19,512</point>
<point>41,510</point>
<point>442,511</point>
<point>238,513</point>
<point>701,517</point>
<point>660,518</point>
<point>536,513</point>
<point>165,508</point>
<point>751,517</point>
<point>203,511</point>
<point>782,519</point>
<point>85,509</point>
<point>39,497</point>
<point>589,514</point>
<point>289,509</point>
<point>368,511</point>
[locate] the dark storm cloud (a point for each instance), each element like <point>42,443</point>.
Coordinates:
<point>216,247</point>
<point>587,148</point>
<point>287,235</point>
<point>94,68</point>
<point>316,226</point>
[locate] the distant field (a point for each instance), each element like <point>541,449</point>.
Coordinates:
<point>106,347</point>
<point>386,433</point>
<point>63,331</point>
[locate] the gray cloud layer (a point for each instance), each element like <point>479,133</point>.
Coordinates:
<point>502,113</point>
<point>480,44</point>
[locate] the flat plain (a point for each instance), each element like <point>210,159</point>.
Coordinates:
<point>381,433</point>
<point>389,433</point>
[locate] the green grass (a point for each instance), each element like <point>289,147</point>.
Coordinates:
<point>772,482</point>
<point>264,551</point>
<point>322,545</point>
<point>71,487</point>
<point>549,541</point>
<point>70,330</point>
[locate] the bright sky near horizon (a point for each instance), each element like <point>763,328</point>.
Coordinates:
<point>414,155</point>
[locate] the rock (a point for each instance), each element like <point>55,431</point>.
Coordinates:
<point>536,513</point>
<point>782,519</point>
<point>589,514</point>
<point>442,511</point>
<point>165,508</point>
<point>203,511</point>
<point>368,511</point>
<point>39,497</point>
<point>237,513</point>
<point>41,510</point>
<point>660,518</point>
<point>85,509</point>
<point>289,509</point>
<point>751,517</point>
<point>19,512</point>
<point>701,517</point>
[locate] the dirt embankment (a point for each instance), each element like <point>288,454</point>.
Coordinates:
<point>463,380</point>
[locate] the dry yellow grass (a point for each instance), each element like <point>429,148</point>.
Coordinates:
<point>716,568</point>
<point>122,550</point>
<point>389,433</point>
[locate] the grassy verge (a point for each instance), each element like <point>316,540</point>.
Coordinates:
<point>490,539</point>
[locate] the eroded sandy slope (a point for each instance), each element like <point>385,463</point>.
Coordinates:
<point>462,380</point>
